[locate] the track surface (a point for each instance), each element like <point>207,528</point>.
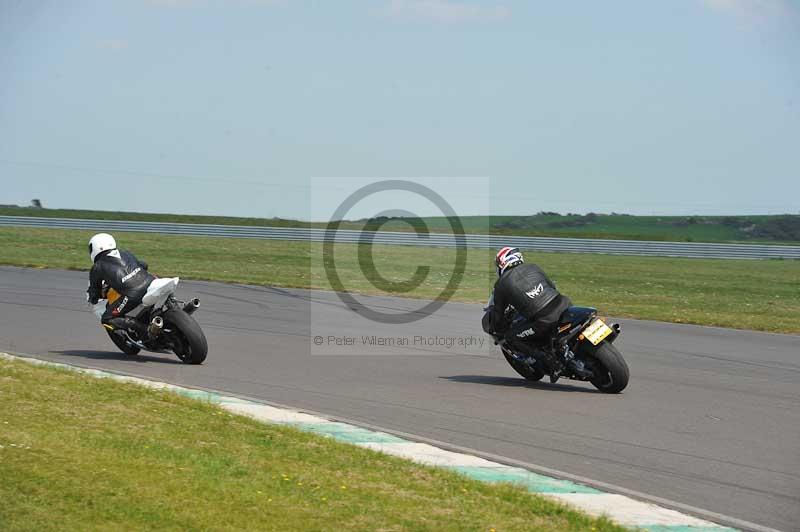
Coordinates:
<point>711,417</point>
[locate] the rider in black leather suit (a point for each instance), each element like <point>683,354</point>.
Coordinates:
<point>123,272</point>
<point>531,292</point>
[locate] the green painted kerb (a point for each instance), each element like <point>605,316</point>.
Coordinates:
<point>348,433</point>
<point>685,528</point>
<point>209,397</point>
<point>514,475</point>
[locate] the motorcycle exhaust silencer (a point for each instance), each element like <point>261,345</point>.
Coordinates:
<point>155,327</point>
<point>191,306</point>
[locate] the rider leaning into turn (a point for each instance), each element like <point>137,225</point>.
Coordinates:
<point>123,272</point>
<point>527,288</point>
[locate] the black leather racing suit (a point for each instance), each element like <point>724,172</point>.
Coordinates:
<point>528,289</point>
<point>126,274</point>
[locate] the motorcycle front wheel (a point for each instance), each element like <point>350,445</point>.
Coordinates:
<point>123,344</point>
<point>530,374</point>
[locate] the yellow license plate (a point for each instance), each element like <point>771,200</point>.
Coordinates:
<point>596,332</point>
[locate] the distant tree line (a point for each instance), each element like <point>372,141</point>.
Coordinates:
<point>777,228</point>
<point>780,228</point>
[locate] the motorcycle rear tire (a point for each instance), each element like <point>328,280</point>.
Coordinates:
<point>613,375</point>
<point>193,347</point>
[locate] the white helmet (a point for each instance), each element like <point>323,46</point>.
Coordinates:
<point>99,243</point>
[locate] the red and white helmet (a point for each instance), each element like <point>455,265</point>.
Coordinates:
<point>506,258</point>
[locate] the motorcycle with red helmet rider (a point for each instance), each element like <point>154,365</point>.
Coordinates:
<point>540,333</point>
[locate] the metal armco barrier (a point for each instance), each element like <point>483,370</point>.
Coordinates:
<point>570,245</point>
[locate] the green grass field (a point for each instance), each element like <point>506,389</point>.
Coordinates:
<point>80,453</point>
<point>760,295</point>
<point>767,229</point>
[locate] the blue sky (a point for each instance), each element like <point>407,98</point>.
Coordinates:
<point>256,107</point>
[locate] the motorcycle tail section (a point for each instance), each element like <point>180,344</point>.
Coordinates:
<point>159,290</point>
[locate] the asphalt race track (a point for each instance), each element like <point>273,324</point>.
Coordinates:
<point>711,417</point>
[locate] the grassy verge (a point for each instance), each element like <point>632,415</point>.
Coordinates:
<point>78,453</point>
<point>760,295</point>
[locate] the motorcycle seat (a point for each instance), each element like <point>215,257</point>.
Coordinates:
<point>576,315</point>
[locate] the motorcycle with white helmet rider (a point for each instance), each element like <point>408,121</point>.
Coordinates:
<point>140,311</point>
